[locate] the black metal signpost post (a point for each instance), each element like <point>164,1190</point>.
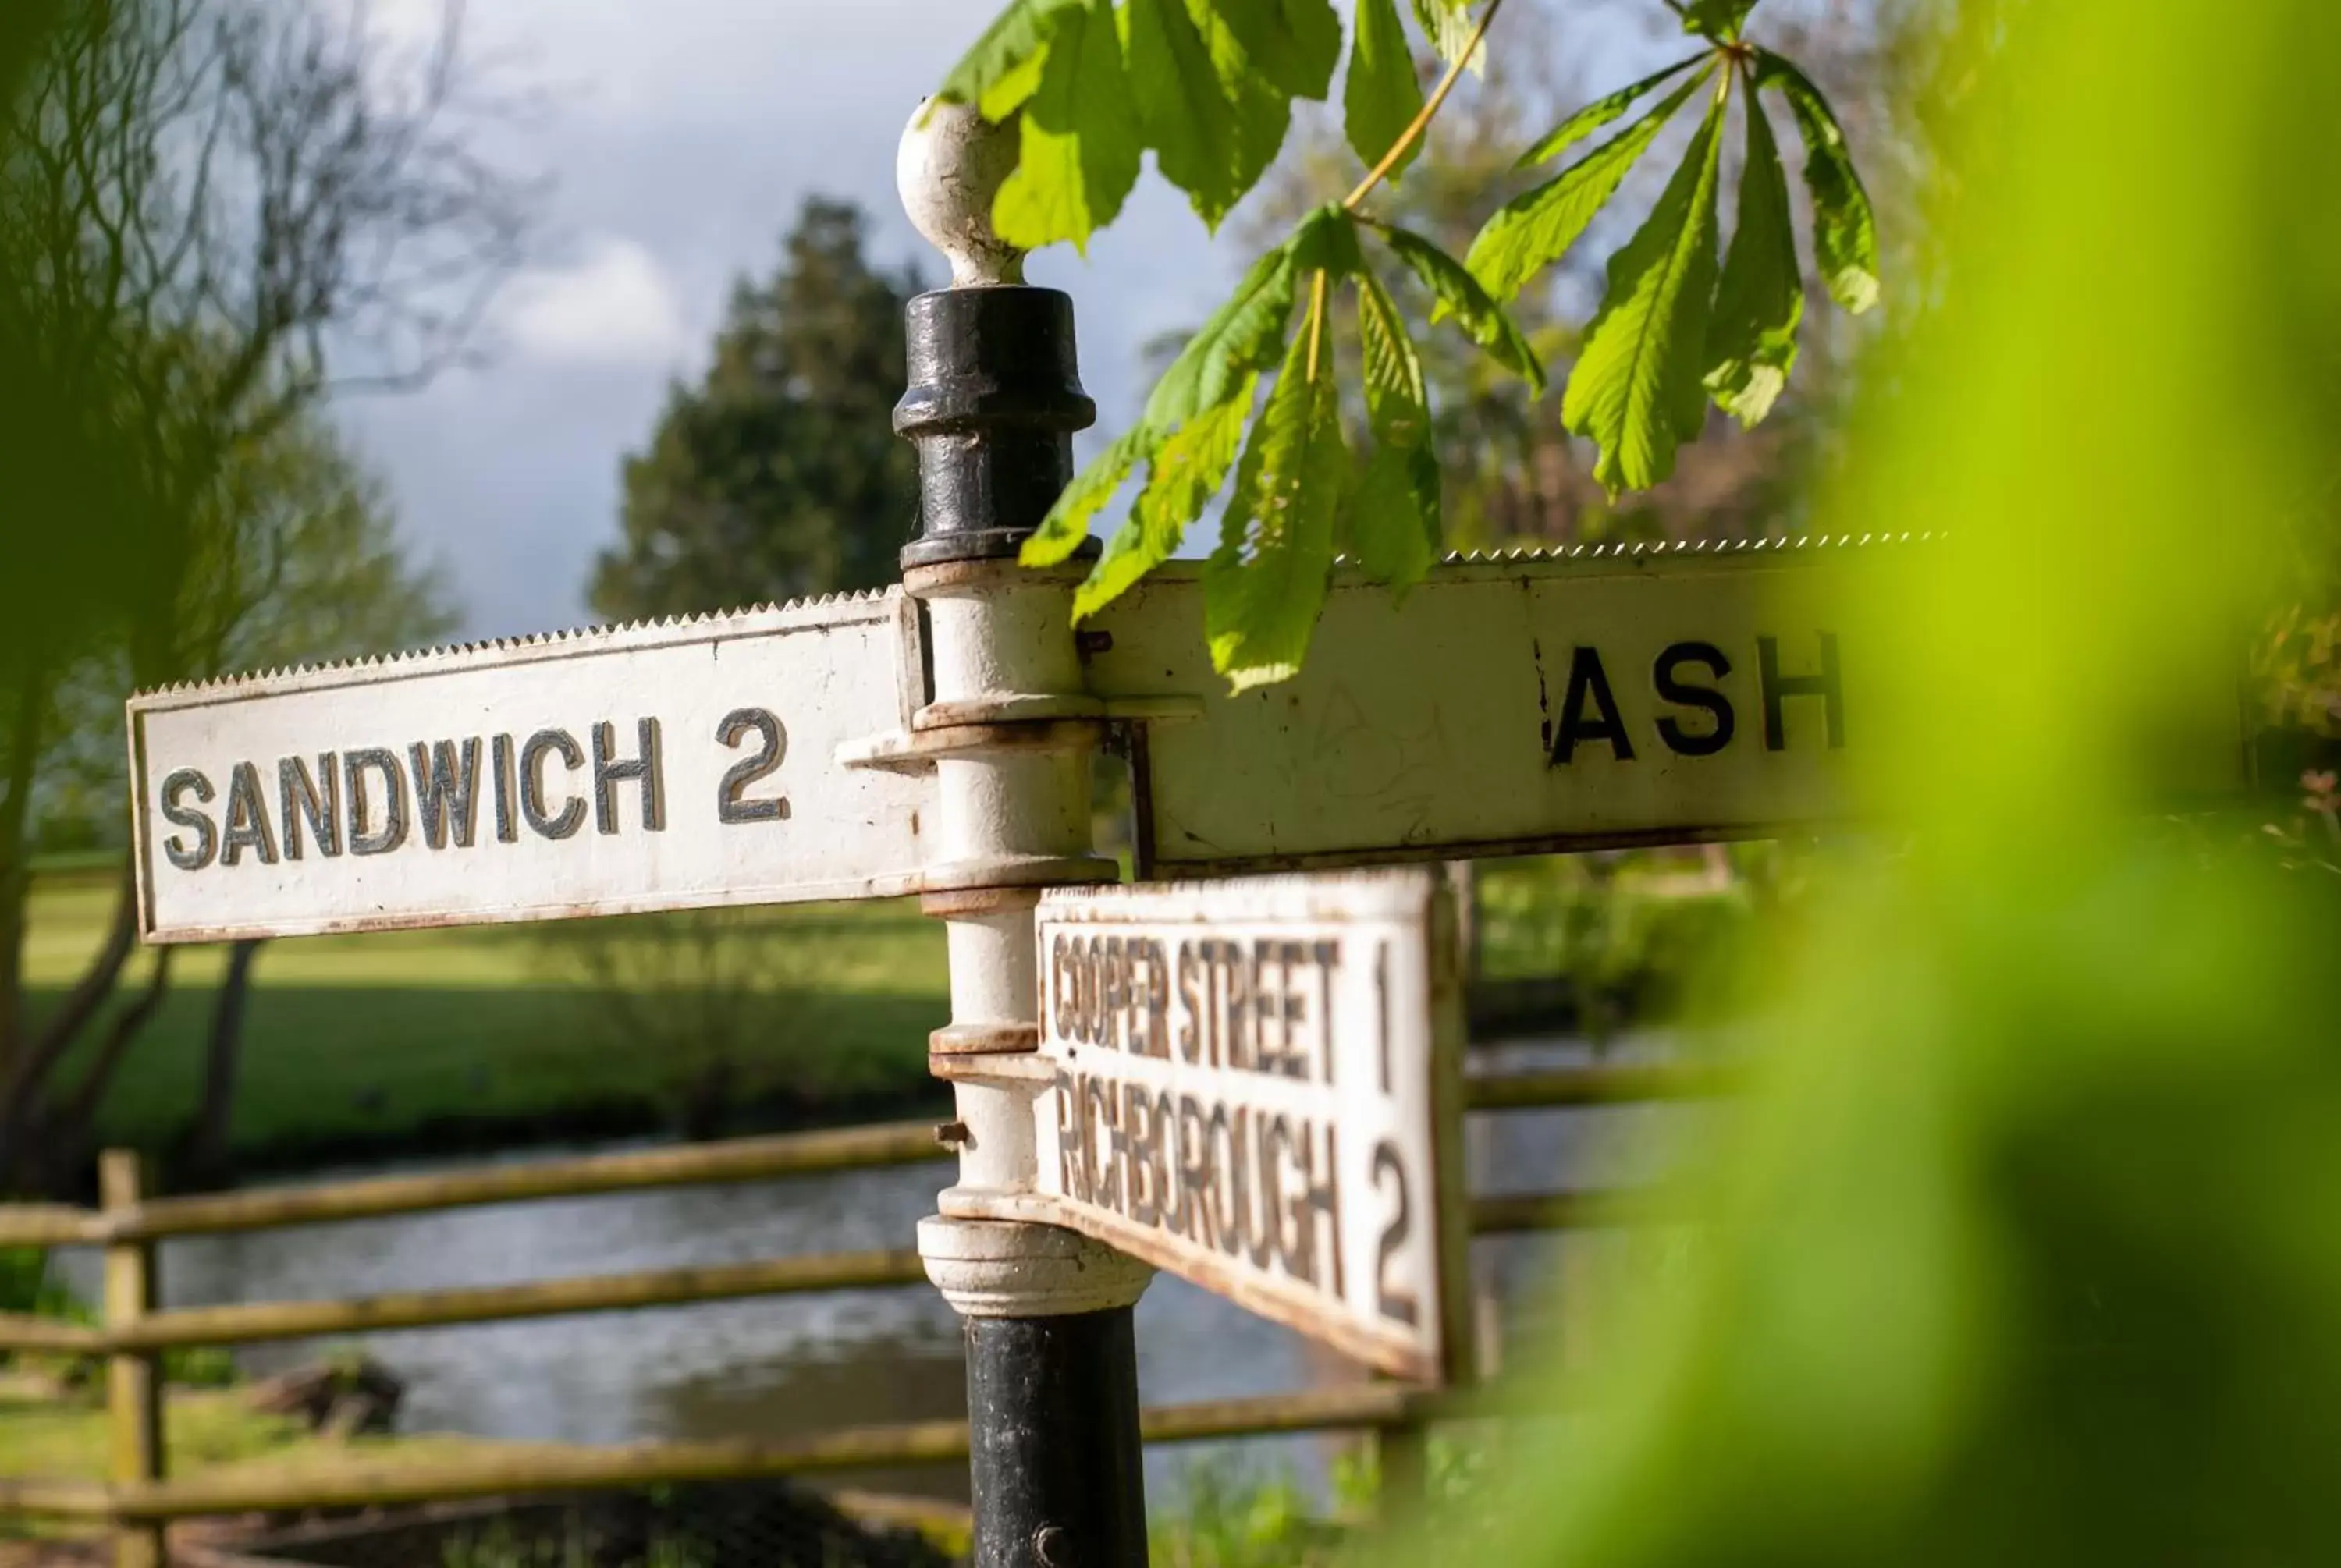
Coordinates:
<point>994,397</point>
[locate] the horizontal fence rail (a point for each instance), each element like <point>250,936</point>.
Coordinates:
<point>129,1224</point>
<point>255,1323</point>
<point>1511,1213</point>
<point>1363,1406</point>
<point>251,1323</point>
<point>56,1499</point>
<point>48,1225</point>
<point>19,1330</point>
<point>691,1165</point>
<point>699,1164</point>
<point>1618,1083</point>
<point>738,1159</point>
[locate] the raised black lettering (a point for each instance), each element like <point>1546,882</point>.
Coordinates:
<point>1393,1302</point>
<point>380,841</point>
<point>1215,988</point>
<point>1060,989</point>
<point>730,802</point>
<point>531,783</point>
<point>1295,1244</point>
<point>1125,1180</point>
<point>507,812</point>
<point>1264,1214</point>
<point>1194,982</point>
<point>1232,1186</point>
<point>1113,970</point>
<point>1072,1179</point>
<point>1169,1196</point>
<point>314,800</point>
<point>1105,1179</point>
<point>246,818</point>
<point>1241,1041</point>
<point>1292,1010</point>
<point>1328,957</point>
<point>1085,989</point>
<point>1158,1001</point>
<point>1145,1158</point>
<point>1382,1010</point>
<point>1588,688</point>
<point>643,769</point>
<point>1664,676</point>
<point>1778,688</point>
<point>1316,1198</point>
<point>185,857</point>
<point>446,790</point>
<point>1197,1174</point>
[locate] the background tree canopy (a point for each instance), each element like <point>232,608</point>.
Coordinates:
<point>777,474</point>
<point>214,215</point>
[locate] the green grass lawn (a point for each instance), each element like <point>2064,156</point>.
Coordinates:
<point>67,1439</point>
<point>426,1041</point>
<point>373,1041</point>
<point>211,1431</point>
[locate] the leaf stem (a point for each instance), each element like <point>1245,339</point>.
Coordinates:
<point>1421,121</point>
<point>1316,287</point>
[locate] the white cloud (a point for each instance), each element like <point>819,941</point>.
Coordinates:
<point>615,307</point>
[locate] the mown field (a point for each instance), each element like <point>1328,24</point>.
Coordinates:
<point>432,1039</point>
<point>207,1429</point>
<point>470,1039</point>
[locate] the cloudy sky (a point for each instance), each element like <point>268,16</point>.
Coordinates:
<point>681,136</point>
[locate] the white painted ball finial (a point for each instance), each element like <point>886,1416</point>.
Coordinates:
<point>951,162</point>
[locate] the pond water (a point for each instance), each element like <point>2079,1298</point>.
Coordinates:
<point>774,1368</point>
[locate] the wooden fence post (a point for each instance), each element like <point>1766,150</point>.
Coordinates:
<point>1463,882</point>
<point>1402,1462</point>
<point>133,1383</point>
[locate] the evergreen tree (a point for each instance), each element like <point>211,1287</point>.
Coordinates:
<point>778,475</point>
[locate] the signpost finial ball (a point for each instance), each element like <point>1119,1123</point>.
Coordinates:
<point>951,162</point>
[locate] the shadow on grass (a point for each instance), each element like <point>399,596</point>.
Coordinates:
<point>335,1073</point>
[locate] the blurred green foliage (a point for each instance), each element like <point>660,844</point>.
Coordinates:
<point>1225,1514</point>
<point>2023,1249</point>
<point>199,199</point>
<point>1635,933</point>
<point>25,1286</point>
<point>29,1286</point>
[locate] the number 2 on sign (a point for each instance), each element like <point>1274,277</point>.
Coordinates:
<point>730,804</point>
<point>1391,1301</point>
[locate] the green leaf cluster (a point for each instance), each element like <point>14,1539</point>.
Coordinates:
<point>1297,485</point>
<point>1208,85</point>
<point>1675,329</point>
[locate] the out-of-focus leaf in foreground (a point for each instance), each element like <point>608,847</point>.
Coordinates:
<point>2024,1249</point>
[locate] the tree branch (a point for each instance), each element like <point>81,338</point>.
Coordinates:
<point>57,1033</point>
<point>81,1111</point>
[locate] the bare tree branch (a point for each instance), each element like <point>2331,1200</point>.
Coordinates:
<point>212,213</point>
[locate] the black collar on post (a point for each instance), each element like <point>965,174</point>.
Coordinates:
<point>994,400</point>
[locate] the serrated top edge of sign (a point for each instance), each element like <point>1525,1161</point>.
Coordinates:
<point>581,637</point>
<point>1286,895</point>
<point>1769,544</point>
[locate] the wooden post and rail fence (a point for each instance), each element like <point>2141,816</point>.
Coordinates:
<point>140,1499</point>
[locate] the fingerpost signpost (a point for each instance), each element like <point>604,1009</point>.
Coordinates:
<point>1250,1082</point>
<point>1256,1084</point>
